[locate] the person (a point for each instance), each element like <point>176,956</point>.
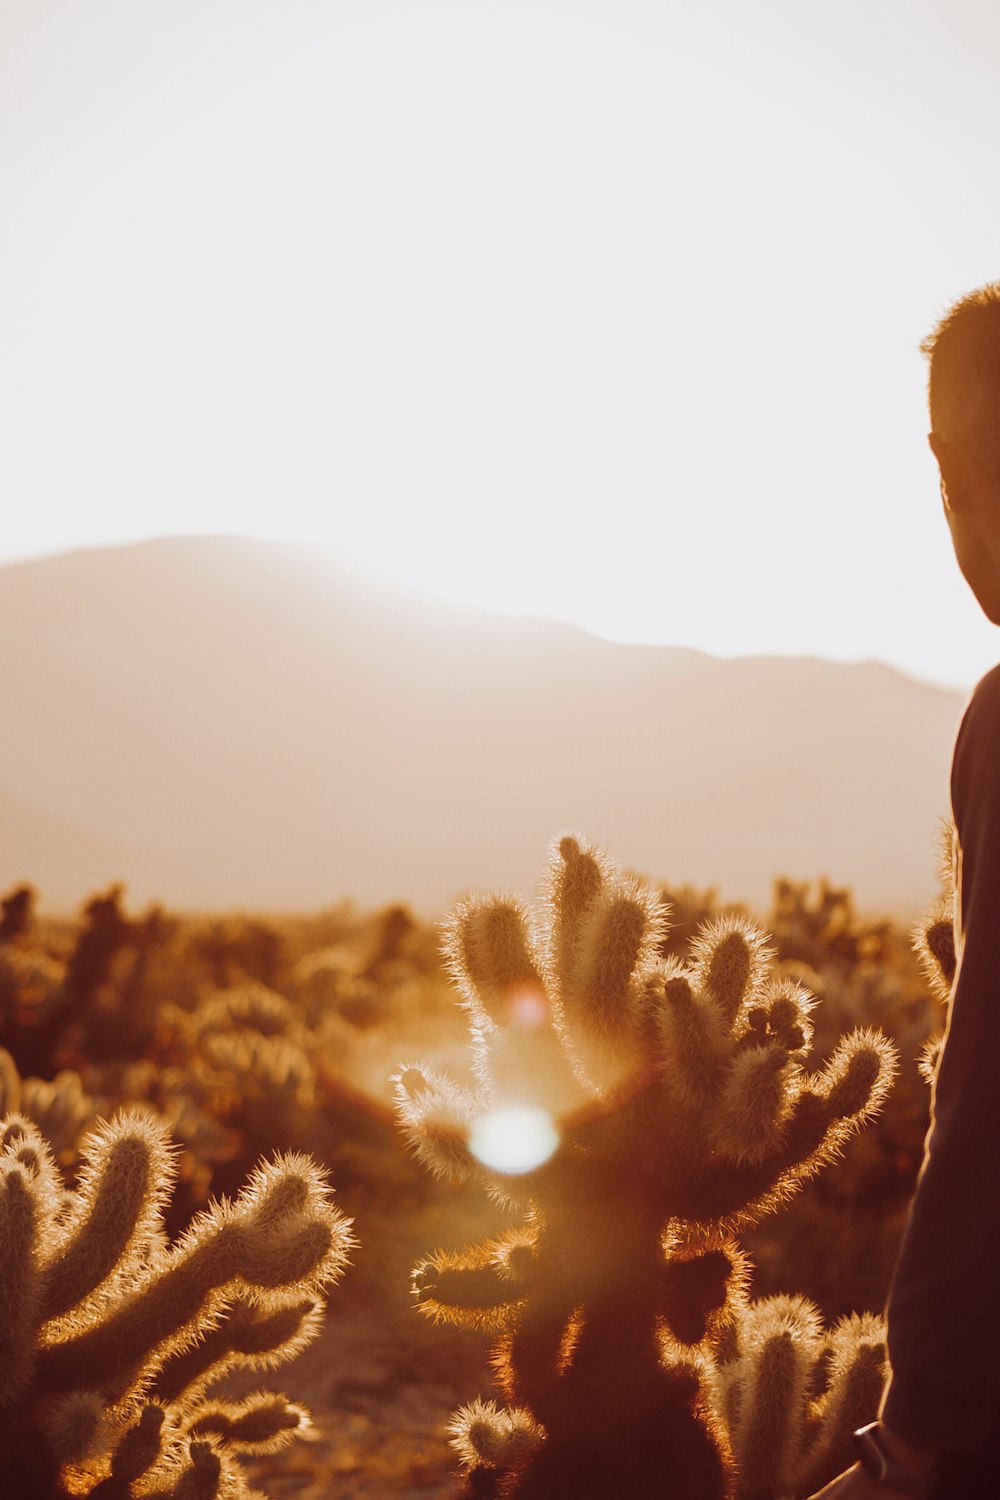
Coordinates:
<point>938,1434</point>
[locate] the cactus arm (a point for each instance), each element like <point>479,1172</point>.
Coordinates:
<point>491,955</point>
<point>764,1392</point>
<point>575,879</point>
<point>202,1478</point>
<point>246,1335</point>
<point>436,1115</point>
<point>262,1423</point>
<point>829,1108</point>
<point>261,1243</point>
<point>20,1281</point>
<point>10,1084</point>
<point>481,1287</point>
<point>124,1184</point>
<point>487,1437</point>
<point>137,1451</point>
<point>856,1377</point>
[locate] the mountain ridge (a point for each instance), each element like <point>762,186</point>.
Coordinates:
<point>261,726</point>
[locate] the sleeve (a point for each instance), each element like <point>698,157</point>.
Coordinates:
<point>944,1303</point>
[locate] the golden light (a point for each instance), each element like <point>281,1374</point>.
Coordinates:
<point>515,1139</point>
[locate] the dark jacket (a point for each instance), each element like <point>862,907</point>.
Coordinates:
<point>944,1303</point>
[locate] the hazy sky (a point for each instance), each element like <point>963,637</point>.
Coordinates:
<point>606,310</point>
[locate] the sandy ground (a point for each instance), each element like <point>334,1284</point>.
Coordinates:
<point>381,1383</point>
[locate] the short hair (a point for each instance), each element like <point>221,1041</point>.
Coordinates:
<point>964,384</point>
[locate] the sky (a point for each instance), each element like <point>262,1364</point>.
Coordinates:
<point>606,310</point>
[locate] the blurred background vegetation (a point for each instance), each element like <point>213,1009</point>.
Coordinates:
<point>252,1034</point>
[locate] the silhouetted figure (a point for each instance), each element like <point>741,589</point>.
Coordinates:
<point>940,1430</point>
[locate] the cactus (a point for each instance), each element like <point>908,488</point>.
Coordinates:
<point>638,1113</point>
<point>60,1108</point>
<point>91,1006</point>
<point>109,1336</point>
<point>933,940</point>
<point>17,913</point>
<point>824,930</point>
<point>791,1393</point>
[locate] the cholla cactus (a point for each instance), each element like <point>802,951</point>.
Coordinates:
<point>31,985</point>
<point>60,1107</point>
<point>790,1394</point>
<point>934,943</point>
<point>254,1035</point>
<point>235,1077</point>
<point>109,1337</point>
<point>17,911</point>
<point>639,1113</point>
<point>250,1006</point>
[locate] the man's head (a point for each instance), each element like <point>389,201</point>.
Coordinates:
<point>964,395</point>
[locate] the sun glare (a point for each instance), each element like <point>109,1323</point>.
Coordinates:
<point>401,279</point>
<point>515,1139</point>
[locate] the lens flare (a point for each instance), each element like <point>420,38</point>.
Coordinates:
<point>516,1139</point>
<point>529,1009</point>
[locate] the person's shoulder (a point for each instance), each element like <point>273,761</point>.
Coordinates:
<point>983,708</point>
<point>976,754</point>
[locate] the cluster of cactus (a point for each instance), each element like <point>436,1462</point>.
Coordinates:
<point>247,1044</point>
<point>844,1238</point>
<point>89,1006</point>
<point>104,990</point>
<point>111,1338</point>
<point>60,1107</point>
<point>234,951</point>
<point>824,929</point>
<point>234,1077</point>
<point>32,999</point>
<point>116,1009</point>
<point>678,1111</point>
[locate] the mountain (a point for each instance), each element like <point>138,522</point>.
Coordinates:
<point>221,722</point>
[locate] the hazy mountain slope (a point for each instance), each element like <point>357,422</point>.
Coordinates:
<point>260,726</point>
<point>53,853</point>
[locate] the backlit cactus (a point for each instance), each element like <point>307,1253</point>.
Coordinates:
<point>791,1393</point>
<point>109,1336</point>
<point>60,1108</point>
<point>934,943</point>
<point>638,1113</point>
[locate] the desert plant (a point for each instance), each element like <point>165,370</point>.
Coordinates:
<point>17,910</point>
<point>824,930</point>
<point>109,1337</point>
<point>790,1393</point>
<point>933,939</point>
<point>60,1108</point>
<point>690,908</point>
<point>638,1113</point>
<point>237,949</point>
<point>30,989</point>
<point>93,1005</point>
